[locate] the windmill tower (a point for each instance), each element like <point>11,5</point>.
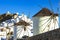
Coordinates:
<point>22,27</point>
<point>44,21</point>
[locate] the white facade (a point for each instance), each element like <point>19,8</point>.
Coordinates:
<point>18,30</point>
<point>44,24</point>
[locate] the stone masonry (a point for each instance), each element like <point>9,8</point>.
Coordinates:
<point>51,35</point>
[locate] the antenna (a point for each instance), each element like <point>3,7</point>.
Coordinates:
<point>58,7</point>
<point>51,5</point>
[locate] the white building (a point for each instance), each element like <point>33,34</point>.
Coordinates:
<point>44,21</point>
<point>9,20</point>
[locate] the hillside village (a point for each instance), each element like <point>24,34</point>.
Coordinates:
<point>20,27</point>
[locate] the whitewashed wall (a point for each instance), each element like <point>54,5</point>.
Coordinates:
<point>35,25</point>
<point>59,21</point>
<point>18,30</point>
<point>40,24</point>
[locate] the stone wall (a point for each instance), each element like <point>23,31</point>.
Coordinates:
<point>51,35</point>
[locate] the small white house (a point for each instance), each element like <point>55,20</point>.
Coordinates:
<point>45,21</point>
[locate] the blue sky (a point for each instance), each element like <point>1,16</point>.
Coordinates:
<point>27,6</point>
